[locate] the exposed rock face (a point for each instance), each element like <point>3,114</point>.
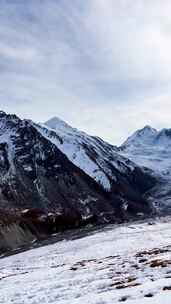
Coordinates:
<point>35,173</point>
<point>15,236</point>
<point>14,232</point>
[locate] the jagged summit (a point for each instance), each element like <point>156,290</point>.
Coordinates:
<point>141,136</point>
<point>57,123</point>
<point>148,129</point>
<point>150,137</point>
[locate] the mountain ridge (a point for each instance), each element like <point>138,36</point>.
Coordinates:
<point>150,136</point>
<point>37,172</point>
<point>60,178</point>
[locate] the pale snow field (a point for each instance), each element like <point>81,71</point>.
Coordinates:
<point>108,266</point>
<point>75,144</point>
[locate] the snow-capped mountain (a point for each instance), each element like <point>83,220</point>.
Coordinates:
<point>53,170</point>
<point>151,148</point>
<point>81,149</point>
<point>34,173</point>
<point>141,137</point>
<point>116,174</point>
<point>148,136</point>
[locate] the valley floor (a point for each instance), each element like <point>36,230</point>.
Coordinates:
<point>129,263</point>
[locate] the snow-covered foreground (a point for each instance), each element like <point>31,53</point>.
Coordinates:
<point>130,264</point>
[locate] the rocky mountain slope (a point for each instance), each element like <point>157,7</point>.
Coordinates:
<point>34,173</point>
<point>117,175</point>
<point>151,148</point>
<point>53,169</point>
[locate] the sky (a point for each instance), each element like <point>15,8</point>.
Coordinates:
<point>104,66</point>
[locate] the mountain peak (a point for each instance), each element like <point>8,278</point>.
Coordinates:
<point>141,136</point>
<point>147,129</point>
<point>56,123</point>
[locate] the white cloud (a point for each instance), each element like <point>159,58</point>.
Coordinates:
<point>25,54</point>
<point>102,65</point>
